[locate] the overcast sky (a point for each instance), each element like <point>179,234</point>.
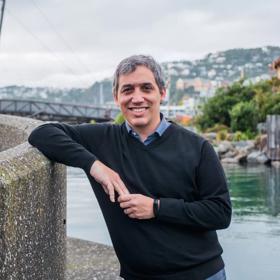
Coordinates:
<point>71,43</point>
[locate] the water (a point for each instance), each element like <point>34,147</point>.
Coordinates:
<point>252,242</point>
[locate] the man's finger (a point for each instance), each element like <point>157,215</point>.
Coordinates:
<point>133,216</point>
<point>105,189</point>
<point>124,197</point>
<point>111,192</point>
<point>125,204</point>
<point>128,211</point>
<point>123,187</point>
<point>118,188</point>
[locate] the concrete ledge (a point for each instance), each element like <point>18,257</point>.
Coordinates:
<point>32,207</point>
<point>90,261</point>
<point>15,130</point>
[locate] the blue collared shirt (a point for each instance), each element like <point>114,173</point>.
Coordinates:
<point>164,124</point>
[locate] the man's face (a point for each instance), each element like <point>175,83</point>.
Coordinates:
<point>139,99</point>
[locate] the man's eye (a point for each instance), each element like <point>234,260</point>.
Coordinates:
<point>147,87</point>
<point>126,90</point>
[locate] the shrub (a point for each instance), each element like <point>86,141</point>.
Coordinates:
<point>221,135</point>
<point>119,119</point>
<point>239,136</point>
<point>244,117</point>
<point>216,128</point>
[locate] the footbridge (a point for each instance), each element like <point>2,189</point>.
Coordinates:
<point>68,112</point>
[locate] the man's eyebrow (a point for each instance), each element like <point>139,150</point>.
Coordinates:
<point>137,84</point>
<point>127,85</point>
<point>146,84</point>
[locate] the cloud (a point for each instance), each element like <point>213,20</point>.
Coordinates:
<point>56,41</point>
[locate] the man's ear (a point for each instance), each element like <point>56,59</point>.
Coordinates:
<point>115,94</point>
<point>162,94</point>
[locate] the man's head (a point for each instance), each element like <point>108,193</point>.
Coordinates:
<point>138,90</point>
<point>129,65</point>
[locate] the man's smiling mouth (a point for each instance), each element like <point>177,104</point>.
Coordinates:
<point>138,109</point>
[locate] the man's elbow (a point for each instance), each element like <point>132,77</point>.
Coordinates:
<point>34,138</point>
<point>226,220</point>
<point>31,138</point>
<point>36,135</point>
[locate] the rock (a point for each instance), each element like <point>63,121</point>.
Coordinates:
<point>211,136</point>
<point>230,154</point>
<point>243,144</point>
<point>230,160</point>
<point>216,150</point>
<point>224,147</point>
<point>263,158</point>
<point>241,157</point>
<point>263,143</point>
<point>237,158</point>
<point>275,164</point>
<point>246,147</point>
<point>248,144</point>
<point>257,157</point>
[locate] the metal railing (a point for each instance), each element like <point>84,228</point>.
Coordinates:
<point>35,109</point>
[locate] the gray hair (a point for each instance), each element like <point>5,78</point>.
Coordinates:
<point>129,65</point>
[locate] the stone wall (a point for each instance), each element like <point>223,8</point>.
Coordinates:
<point>32,207</point>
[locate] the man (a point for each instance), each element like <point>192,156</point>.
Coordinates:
<point>171,188</point>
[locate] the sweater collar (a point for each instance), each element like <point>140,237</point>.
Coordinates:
<point>163,125</point>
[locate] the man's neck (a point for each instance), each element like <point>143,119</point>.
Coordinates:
<point>144,132</point>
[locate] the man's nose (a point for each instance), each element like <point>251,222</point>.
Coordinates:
<point>137,96</point>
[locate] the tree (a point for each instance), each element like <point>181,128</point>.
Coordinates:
<point>217,109</point>
<point>241,106</point>
<point>244,117</point>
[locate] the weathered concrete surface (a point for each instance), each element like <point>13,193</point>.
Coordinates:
<point>90,261</point>
<point>32,207</point>
<point>15,130</point>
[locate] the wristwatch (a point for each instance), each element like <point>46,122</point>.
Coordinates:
<point>156,206</point>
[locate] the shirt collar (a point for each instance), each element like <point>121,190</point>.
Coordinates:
<point>159,130</point>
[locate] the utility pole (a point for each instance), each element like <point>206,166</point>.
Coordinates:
<point>2,14</point>
<point>101,96</point>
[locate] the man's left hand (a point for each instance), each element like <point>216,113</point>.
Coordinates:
<point>137,206</point>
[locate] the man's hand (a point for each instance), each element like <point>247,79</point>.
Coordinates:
<point>109,179</point>
<point>137,206</point>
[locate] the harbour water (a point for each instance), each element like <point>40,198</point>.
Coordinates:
<point>252,242</point>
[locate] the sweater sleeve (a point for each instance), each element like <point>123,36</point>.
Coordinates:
<point>212,210</point>
<point>64,143</point>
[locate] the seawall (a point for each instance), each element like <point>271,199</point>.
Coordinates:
<point>32,207</point>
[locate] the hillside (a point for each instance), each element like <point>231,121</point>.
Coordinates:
<point>198,78</point>
<point>225,65</point>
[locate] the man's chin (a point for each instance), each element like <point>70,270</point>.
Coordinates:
<point>138,123</point>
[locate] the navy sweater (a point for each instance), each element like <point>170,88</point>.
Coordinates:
<point>180,168</point>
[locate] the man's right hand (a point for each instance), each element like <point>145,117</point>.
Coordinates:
<point>109,179</point>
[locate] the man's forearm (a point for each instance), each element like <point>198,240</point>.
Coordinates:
<point>63,144</point>
<point>210,214</point>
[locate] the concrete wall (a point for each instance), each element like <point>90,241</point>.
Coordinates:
<point>32,207</point>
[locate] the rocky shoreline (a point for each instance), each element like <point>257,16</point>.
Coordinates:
<point>242,152</point>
